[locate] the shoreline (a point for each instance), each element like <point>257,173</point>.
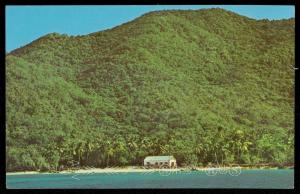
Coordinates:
<point>133,169</point>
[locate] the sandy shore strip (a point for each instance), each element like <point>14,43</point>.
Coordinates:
<point>97,170</point>
<point>121,170</point>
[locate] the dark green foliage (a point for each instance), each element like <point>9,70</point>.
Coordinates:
<point>193,84</point>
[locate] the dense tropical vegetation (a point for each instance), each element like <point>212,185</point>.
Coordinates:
<point>193,84</point>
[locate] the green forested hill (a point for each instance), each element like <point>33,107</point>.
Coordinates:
<point>193,84</point>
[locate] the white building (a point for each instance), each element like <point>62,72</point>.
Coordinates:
<point>157,161</point>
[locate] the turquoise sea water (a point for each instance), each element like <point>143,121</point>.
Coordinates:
<point>278,179</point>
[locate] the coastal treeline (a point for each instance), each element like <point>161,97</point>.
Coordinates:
<point>203,86</point>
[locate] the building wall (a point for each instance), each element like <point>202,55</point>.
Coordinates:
<point>167,162</point>
<point>158,162</point>
<point>170,163</point>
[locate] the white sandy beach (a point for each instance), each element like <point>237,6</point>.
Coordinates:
<point>98,170</point>
<point>121,170</point>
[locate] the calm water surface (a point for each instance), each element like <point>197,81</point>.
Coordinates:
<point>281,179</point>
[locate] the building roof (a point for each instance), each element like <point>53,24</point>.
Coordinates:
<point>159,158</point>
